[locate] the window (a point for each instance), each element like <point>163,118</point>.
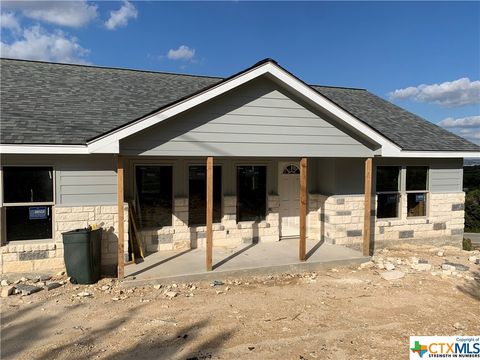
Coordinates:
<point>416,189</point>
<point>154,196</point>
<point>251,193</point>
<point>388,192</point>
<point>291,169</point>
<point>28,200</point>
<point>197,195</point>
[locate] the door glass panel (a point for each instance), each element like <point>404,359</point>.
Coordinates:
<point>154,196</point>
<point>251,193</point>
<point>197,195</point>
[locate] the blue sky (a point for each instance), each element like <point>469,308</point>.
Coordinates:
<point>423,56</point>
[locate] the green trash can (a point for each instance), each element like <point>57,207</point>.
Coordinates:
<point>82,255</point>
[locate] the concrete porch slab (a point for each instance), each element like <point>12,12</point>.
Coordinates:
<point>248,260</point>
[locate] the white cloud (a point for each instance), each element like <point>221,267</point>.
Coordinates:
<point>64,13</point>
<point>37,44</point>
<point>120,17</point>
<point>465,122</point>
<point>9,21</point>
<point>182,53</point>
<point>467,127</point>
<point>450,93</point>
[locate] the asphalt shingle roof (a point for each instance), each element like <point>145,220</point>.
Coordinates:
<point>47,103</point>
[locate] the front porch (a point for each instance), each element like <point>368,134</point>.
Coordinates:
<point>245,260</point>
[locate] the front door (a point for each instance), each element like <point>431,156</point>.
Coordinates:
<point>289,194</point>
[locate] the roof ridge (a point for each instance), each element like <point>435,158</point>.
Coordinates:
<point>111,68</point>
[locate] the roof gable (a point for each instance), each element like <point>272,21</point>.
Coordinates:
<point>257,118</point>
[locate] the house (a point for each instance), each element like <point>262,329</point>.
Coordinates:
<point>206,161</point>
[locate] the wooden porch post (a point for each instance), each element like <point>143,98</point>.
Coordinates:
<point>121,235</point>
<point>209,213</point>
<point>367,226</point>
<point>303,208</point>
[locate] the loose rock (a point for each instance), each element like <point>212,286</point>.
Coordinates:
<point>52,285</point>
<point>392,275</point>
<point>27,289</point>
<point>7,291</point>
<point>458,267</point>
<point>422,267</point>
<point>5,282</point>
<point>472,259</point>
<point>171,294</point>
<point>157,286</point>
<point>84,294</point>
<point>389,266</point>
<point>367,265</point>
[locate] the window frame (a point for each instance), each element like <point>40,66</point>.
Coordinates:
<point>236,165</point>
<point>426,192</point>
<point>135,192</point>
<point>28,204</point>
<point>397,192</point>
<point>402,212</point>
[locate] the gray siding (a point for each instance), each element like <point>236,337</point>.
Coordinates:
<point>346,176</point>
<point>446,175</point>
<point>257,119</point>
<point>79,179</point>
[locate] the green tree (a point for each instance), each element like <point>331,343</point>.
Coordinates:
<point>472,211</point>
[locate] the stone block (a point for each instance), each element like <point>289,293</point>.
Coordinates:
<point>108,209</point>
<point>354,233</point>
<point>458,207</point>
<point>457,231</point>
<point>7,257</point>
<point>439,226</point>
<point>62,210</point>
<point>405,234</point>
<point>18,267</point>
<point>48,264</point>
<point>33,255</point>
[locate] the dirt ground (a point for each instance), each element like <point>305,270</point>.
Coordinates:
<point>342,313</point>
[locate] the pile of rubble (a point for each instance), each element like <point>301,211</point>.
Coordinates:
<point>393,268</point>
<point>25,286</point>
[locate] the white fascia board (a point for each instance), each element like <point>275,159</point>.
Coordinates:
<point>435,154</point>
<point>323,102</point>
<point>282,76</point>
<point>43,149</point>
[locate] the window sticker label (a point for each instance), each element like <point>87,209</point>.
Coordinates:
<point>419,197</point>
<point>37,212</point>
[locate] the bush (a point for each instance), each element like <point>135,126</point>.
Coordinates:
<point>467,244</point>
<point>472,211</point>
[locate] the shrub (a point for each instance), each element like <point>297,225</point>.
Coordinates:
<point>467,244</point>
<point>472,211</point>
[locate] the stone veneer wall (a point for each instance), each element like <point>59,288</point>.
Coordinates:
<point>47,255</point>
<point>228,233</point>
<point>335,219</point>
<point>342,218</point>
